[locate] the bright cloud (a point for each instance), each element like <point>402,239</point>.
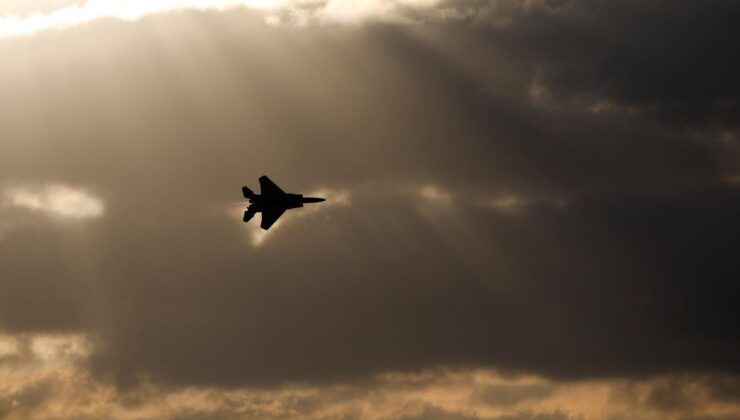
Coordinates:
<point>350,11</point>
<point>8,346</point>
<point>49,347</point>
<point>72,14</point>
<point>59,200</point>
<point>48,379</point>
<point>18,19</point>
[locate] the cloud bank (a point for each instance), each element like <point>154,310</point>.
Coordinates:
<point>540,210</point>
<point>20,18</point>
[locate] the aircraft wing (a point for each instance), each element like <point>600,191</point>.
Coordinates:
<point>269,188</point>
<point>270,216</point>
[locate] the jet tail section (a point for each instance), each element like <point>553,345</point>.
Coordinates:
<point>247,192</point>
<point>248,215</point>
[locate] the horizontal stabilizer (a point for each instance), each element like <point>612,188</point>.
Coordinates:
<point>247,192</point>
<point>249,214</point>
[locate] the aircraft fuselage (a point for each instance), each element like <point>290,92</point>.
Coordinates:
<point>289,201</point>
<point>273,202</point>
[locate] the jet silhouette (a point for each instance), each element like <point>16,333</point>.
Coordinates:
<point>273,202</point>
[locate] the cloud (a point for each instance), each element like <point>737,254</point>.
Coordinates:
<point>508,395</point>
<point>58,200</point>
<point>508,204</point>
<point>41,387</point>
<point>349,11</point>
<point>435,194</point>
<point>170,115</point>
<point>619,71</point>
<point>18,19</point>
<point>8,347</point>
<point>73,13</point>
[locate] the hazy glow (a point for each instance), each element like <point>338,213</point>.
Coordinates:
<point>74,14</point>
<point>22,19</point>
<point>8,346</point>
<point>258,236</point>
<point>59,200</point>
<point>60,346</point>
<point>333,197</point>
<point>511,204</point>
<point>733,179</point>
<point>729,136</point>
<point>435,193</point>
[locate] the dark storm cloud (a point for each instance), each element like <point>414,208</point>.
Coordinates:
<point>612,277</point>
<point>676,60</point>
<point>168,117</point>
<point>44,283</point>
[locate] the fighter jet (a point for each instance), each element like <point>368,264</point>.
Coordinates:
<point>273,202</point>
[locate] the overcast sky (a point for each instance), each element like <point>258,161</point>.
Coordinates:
<point>533,209</point>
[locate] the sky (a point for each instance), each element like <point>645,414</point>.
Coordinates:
<point>532,209</point>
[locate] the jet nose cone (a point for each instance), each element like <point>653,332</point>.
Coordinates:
<point>313,199</point>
